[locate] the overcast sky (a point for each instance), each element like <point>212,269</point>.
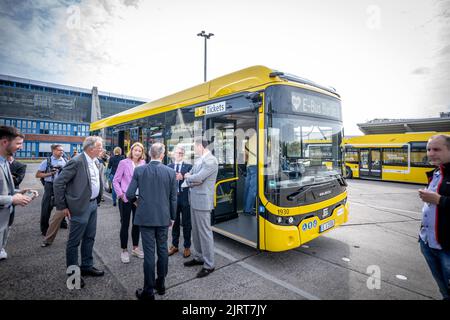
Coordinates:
<point>387,59</point>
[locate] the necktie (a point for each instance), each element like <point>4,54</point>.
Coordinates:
<point>179,181</point>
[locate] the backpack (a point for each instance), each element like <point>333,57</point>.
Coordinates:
<point>46,170</point>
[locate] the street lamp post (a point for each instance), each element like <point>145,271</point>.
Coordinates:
<point>206,36</point>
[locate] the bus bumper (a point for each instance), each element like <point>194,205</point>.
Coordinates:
<point>282,238</point>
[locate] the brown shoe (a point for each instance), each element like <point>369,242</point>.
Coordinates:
<point>186,252</point>
<point>172,250</point>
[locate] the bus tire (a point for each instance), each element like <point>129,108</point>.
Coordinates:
<point>348,172</point>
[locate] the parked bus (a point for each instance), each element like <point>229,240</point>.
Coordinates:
<point>398,157</point>
<point>300,194</point>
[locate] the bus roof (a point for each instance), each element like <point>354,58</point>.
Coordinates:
<point>249,79</point>
<point>392,138</point>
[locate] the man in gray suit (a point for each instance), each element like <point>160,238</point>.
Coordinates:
<point>10,141</point>
<point>201,180</point>
<point>156,211</point>
<point>78,191</point>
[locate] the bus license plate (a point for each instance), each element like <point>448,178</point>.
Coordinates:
<point>326,226</point>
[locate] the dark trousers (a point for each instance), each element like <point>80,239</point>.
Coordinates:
<point>82,229</point>
<point>126,208</point>
<point>11,220</point>
<point>152,236</point>
<point>183,218</point>
<point>46,207</point>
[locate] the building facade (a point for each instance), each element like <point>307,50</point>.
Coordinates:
<point>51,113</point>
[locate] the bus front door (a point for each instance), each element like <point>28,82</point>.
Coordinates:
<point>370,163</point>
<point>224,149</point>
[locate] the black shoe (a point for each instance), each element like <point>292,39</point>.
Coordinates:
<point>192,263</point>
<point>160,287</point>
<point>204,272</point>
<point>114,204</point>
<point>45,244</point>
<point>142,295</point>
<point>94,272</point>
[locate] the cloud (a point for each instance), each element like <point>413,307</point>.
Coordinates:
<point>58,39</point>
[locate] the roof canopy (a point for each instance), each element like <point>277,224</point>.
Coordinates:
<point>380,126</point>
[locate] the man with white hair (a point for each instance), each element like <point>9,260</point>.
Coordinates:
<point>78,191</point>
<point>156,209</point>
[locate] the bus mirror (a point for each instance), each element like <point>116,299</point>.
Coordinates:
<point>256,98</point>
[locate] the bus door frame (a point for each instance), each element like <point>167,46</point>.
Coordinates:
<point>226,215</point>
<point>370,172</point>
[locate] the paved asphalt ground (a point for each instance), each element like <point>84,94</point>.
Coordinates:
<point>380,236</point>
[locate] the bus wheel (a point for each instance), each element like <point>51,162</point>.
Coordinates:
<point>348,173</point>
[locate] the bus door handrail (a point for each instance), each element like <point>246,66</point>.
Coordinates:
<point>220,182</point>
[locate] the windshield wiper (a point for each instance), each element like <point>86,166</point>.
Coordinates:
<point>297,193</point>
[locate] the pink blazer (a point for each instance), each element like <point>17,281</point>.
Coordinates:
<point>123,176</point>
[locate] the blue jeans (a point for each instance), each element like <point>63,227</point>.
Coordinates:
<point>250,189</point>
<point>82,229</point>
<point>439,264</point>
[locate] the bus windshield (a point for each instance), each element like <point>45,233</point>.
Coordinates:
<point>302,151</point>
<point>303,146</point>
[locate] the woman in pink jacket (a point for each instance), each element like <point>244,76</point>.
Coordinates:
<point>121,181</point>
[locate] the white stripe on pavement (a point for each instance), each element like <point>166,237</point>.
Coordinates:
<point>268,276</point>
<point>384,208</point>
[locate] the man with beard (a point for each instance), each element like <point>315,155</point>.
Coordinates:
<point>10,141</point>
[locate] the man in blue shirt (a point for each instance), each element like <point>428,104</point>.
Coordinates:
<point>434,236</point>
<point>49,170</point>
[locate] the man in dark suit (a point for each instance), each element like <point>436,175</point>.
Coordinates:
<point>156,209</point>
<point>78,191</point>
<point>183,216</point>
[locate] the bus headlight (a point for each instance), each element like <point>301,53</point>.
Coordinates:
<point>290,220</point>
<point>280,220</point>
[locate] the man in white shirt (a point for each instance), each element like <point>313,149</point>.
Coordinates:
<point>183,217</point>
<point>78,191</point>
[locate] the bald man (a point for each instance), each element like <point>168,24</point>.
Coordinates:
<point>434,236</point>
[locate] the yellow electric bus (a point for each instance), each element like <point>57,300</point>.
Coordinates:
<point>301,194</point>
<point>398,157</point>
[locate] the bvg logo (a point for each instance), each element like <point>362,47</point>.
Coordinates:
<point>309,225</point>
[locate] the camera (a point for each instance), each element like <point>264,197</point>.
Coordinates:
<point>55,169</point>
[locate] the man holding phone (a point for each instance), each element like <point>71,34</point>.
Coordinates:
<point>10,141</point>
<point>434,236</point>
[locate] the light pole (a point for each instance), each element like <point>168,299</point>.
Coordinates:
<point>206,36</point>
